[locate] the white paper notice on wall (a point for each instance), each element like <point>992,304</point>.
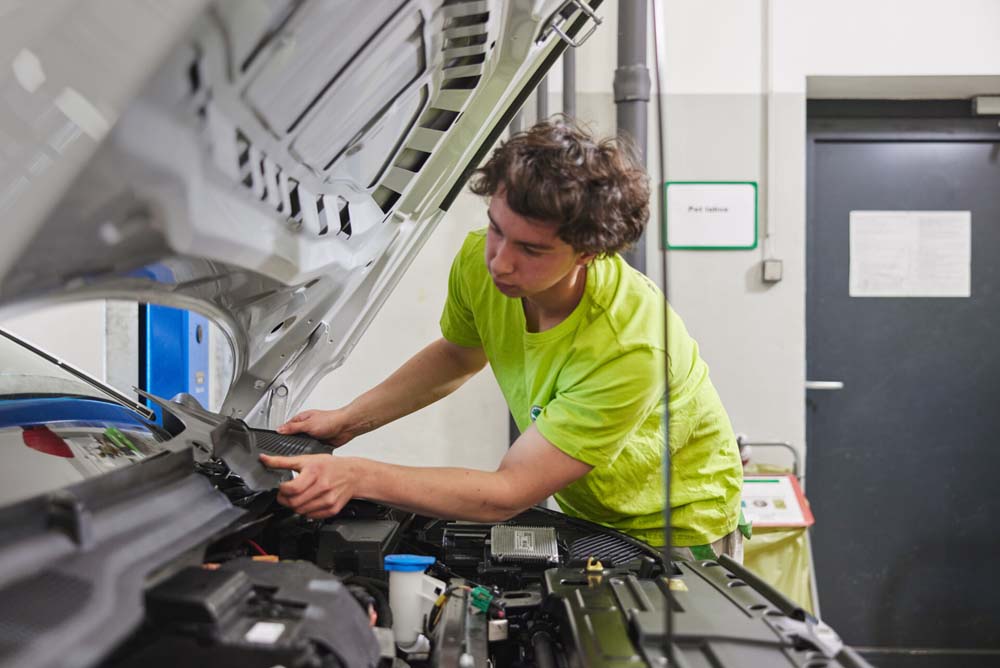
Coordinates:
<point>711,216</point>
<point>911,254</point>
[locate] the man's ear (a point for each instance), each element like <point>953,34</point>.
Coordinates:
<point>585,259</point>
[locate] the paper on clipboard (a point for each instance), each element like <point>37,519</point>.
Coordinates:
<point>775,501</point>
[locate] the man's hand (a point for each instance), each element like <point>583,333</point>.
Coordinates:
<point>322,488</point>
<point>333,427</point>
<point>531,470</point>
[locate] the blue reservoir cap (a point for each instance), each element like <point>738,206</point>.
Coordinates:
<point>407,563</point>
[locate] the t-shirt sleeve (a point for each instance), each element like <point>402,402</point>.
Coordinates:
<point>592,419</point>
<point>457,322</point>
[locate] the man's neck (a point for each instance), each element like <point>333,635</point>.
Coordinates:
<point>547,309</point>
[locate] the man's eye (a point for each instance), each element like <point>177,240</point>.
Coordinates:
<point>531,251</point>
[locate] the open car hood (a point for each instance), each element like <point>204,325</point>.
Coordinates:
<point>274,166</point>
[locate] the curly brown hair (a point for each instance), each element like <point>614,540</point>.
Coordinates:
<point>556,171</point>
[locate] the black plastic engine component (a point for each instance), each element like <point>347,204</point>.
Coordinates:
<point>250,614</point>
<point>357,546</point>
<point>240,447</point>
<point>234,442</point>
<point>718,619</point>
<point>284,445</point>
<point>608,548</point>
<point>198,596</point>
<point>465,544</point>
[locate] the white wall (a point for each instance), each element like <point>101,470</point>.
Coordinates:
<point>715,72</point>
<point>72,332</point>
<point>881,37</point>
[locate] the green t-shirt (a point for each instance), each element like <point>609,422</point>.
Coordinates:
<point>593,386</point>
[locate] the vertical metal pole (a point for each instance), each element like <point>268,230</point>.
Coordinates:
<point>542,100</point>
<point>632,87</point>
<point>517,123</point>
<point>659,37</point>
<point>569,82</point>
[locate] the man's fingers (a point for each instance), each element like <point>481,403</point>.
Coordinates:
<point>314,504</point>
<point>295,424</point>
<point>303,498</point>
<point>290,463</point>
<point>308,485</point>
<point>299,484</point>
<point>290,427</point>
<point>298,501</point>
<point>318,491</point>
<point>324,505</point>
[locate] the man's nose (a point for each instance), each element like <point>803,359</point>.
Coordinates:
<point>503,260</point>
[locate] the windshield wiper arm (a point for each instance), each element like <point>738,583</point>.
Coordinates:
<point>116,396</point>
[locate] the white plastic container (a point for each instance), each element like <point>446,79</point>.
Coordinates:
<point>411,594</point>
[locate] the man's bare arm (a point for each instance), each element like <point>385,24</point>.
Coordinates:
<point>434,372</point>
<point>532,470</point>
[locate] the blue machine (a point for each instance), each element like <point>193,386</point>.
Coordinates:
<point>173,353</point>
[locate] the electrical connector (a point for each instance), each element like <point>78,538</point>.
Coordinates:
<point>481,598</point>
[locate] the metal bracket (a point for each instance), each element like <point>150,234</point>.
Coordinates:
<point>796,464</point>
<point>560,17</point>
<point>277,405</point>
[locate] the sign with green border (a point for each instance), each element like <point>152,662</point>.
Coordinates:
<point>710,215</point>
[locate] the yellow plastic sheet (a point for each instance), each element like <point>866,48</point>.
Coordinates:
<point>781,558</point>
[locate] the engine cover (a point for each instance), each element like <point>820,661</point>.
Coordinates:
<point>249,614</point>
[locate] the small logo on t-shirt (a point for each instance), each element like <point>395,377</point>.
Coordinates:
<point>535,412</point>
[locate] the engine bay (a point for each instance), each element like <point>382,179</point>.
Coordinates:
<point>542,589</point>
<point>261,591</point>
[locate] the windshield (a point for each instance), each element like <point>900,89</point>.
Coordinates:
<point>56,430</point>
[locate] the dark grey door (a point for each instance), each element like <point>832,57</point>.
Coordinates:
<point>904,461</point>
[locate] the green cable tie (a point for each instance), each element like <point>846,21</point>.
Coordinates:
<point>121,440</point>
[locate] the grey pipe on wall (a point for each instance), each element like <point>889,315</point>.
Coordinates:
<point>569,82</point>
<point>542,99</point>
<point>632,90</point>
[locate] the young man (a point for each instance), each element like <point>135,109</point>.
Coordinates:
<point>575,339</point>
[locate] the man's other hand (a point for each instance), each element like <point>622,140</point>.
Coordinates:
<point>322,488</point>
<point>328,426</point>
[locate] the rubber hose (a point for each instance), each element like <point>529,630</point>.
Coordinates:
<point>544,650</point>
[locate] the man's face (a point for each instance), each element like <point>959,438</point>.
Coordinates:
<point>525,256</point>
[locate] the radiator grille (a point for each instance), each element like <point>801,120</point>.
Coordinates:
<point>286,446</point>
<point>609,550</point>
